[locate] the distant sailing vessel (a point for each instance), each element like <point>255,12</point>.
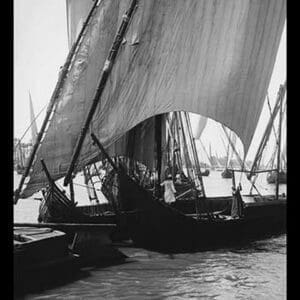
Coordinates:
<point>123,83</point>
<point>22,150</point>
<point>279,176</point>
<point>231,137</point>
<point>272,177</point>
<point>200,128</point>
<point>277,164</point>
<point>21,153</point>
<point>205,173</point>
<point>227,174</point>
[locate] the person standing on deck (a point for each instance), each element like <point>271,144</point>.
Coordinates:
<point>237,207</point>
<point>178,179</point>
<point>169,190</point>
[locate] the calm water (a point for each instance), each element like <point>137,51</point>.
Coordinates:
<point>257,271</point>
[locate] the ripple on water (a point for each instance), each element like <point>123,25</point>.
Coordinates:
<point>226,274</point>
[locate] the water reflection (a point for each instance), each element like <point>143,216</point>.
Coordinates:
<point>257,271</point>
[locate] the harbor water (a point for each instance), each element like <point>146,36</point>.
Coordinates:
<point>256,271</point>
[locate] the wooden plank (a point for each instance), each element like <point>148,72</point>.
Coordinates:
<point>65,225</point>
<point>254,172</point>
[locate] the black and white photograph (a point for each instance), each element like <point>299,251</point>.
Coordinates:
<point>149,149</point>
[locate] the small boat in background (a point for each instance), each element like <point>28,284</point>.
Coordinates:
<point>22,150</point>
<point>205,173</point>
<point>226,174</point>
<point>272,177</point>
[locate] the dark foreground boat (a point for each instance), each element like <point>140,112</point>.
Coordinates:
<point>158,226</point>
<point>44,257</point>
<point>272,177</point>
<point>39,254</point>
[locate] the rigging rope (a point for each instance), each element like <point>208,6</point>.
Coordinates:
<point>19,142</point>
<point>270,110</point>
<point>85,186</point>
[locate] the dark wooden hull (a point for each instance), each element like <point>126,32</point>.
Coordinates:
<point>172,232</point>
<point>205,173</point>
<point>155,225</point>
<point>39,256</point>
<point>158,226</point>
<point>33,246</point>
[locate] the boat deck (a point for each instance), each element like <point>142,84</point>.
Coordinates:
<point>35,245</point>
<point>30,234</point>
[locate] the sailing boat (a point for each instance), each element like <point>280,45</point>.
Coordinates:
<point>121,77</point>
<point>215,161</point>
<point>22,150</point>
<point>227,173</point>
<point>278,176</point>
<point>19,156</point>
<point>33,125</point>
<point>272,177</point>
<point>199,130</point>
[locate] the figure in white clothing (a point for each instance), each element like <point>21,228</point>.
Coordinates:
<point>169,190</point>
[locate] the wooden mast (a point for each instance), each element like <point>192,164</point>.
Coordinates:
<point>182,140</point>
<point>175,136</point>
<point>198,171</point>
<point>72,191</point>
<point>195,154</point>
<point>227,152</point>
<point>158,152</point>
<point>268,129</point>
<point>233,148</point>
<point>34,131</point>
<point>88,178</point>
<point>202,146</point>
<point>51,106</point>
<point>104,76</point>
<point>279,149</point>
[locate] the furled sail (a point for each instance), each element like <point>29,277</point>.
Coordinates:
<point>214,58</point>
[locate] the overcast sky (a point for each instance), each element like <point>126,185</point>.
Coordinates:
<point>41,47</point>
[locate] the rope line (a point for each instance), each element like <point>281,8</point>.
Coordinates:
<point>19,142</point>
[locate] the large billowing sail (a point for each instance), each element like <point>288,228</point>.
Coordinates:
<point>138,143</point>
<point>214,58</point>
